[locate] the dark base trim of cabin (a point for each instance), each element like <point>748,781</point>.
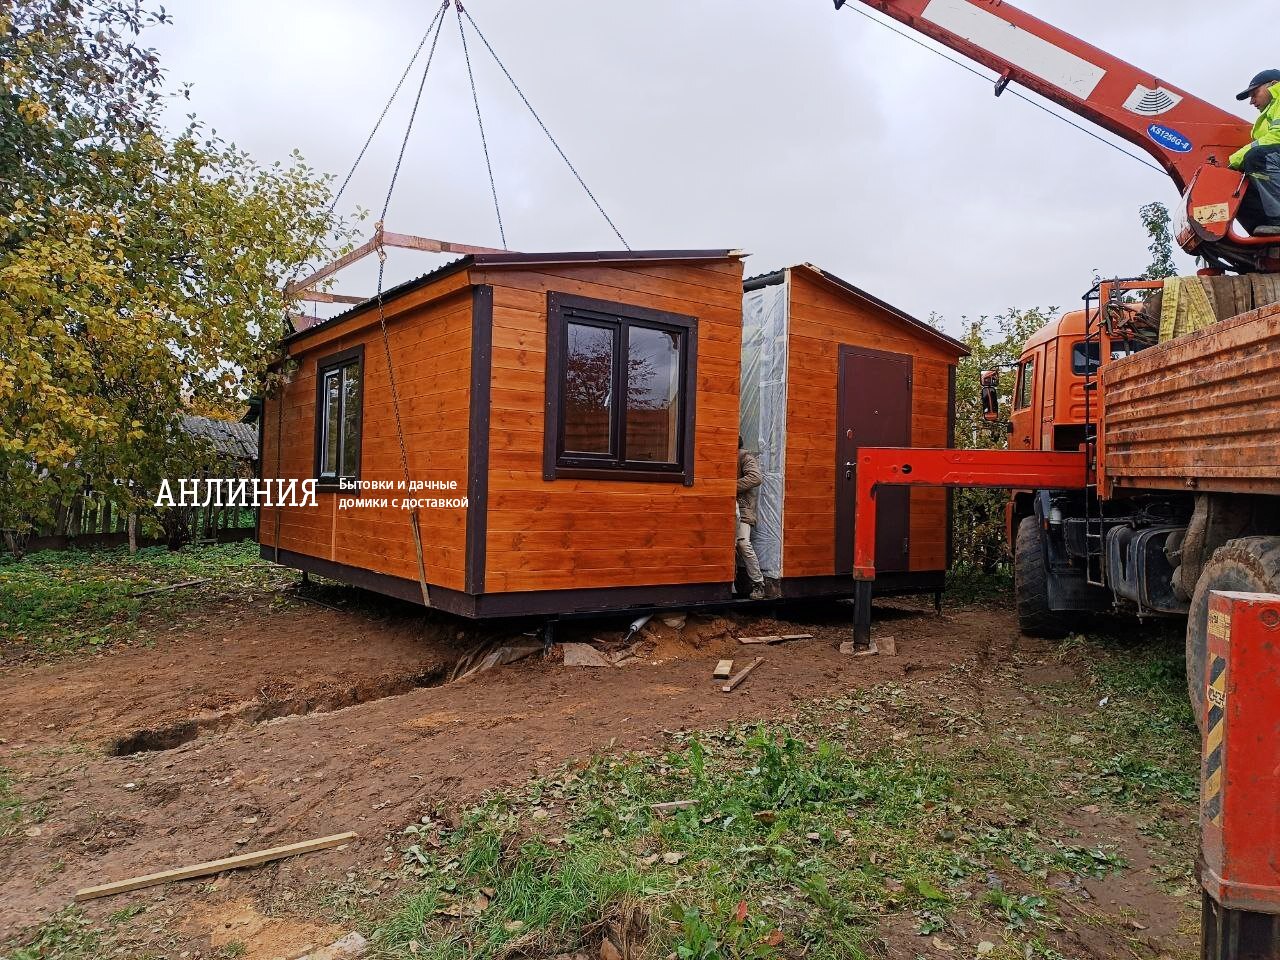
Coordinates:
<point>601,600</point>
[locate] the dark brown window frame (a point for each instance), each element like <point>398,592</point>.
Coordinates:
<point>336,361</point>
<point>563,308</point>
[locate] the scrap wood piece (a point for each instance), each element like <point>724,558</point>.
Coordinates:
<point>625,655</point>
<point>172,586</point>
<point>215,866</point>
<point>584,655</point>
<point>382,238</point>
<point>850,649</point>
<point>349,947</point>
<point>770,641</point>
<point>723,671</point>
<point>742,675</point>
<point>662,809</point>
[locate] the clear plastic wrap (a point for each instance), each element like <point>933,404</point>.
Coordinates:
<point>765,323</point>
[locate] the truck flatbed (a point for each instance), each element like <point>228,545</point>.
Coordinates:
<point>1197,414</point>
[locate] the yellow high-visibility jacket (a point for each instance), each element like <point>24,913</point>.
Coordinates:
<point>1266,132</point>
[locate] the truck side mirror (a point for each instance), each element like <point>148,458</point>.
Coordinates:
<point>990,396</point>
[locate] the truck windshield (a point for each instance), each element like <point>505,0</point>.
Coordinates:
<point>1085,356</point>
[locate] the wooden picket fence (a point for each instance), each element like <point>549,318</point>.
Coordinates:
<point>90,521</point>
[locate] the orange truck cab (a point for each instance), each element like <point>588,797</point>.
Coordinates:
<point>1055,395</point>
<point>1051,406</point>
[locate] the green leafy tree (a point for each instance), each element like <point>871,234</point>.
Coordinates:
<point>1156,221</point>
<point>996,344</point>
<point>140,272</point>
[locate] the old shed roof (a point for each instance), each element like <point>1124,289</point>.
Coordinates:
<point>237,440</point>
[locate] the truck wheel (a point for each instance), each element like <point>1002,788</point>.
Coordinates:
<point>1031,586</point>
<point>1248,565</point>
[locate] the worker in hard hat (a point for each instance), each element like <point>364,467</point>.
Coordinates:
<point>1260,158</point>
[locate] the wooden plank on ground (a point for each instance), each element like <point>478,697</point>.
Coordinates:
<point>724,670</point>
<point>215,866</point>
<point>770,641</point>
<point>172,586</point>
<point>742,675</point>
<point>662,809</point>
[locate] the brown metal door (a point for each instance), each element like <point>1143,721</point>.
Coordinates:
<point>874,411</point>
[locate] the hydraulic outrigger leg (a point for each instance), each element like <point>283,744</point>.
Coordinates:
<point>892,466</point>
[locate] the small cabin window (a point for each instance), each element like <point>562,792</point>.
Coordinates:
<point>1026,384</point>
<point>620,391</point>
<point>339,416</point>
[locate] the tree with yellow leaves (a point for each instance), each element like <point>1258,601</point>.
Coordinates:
<point>140,272</point>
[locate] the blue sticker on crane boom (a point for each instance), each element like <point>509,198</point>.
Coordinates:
<point>1170,138</point>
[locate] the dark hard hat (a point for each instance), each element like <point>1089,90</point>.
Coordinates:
<point>1265,78</point>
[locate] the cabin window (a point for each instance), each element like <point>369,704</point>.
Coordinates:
<point>339,416</point>
<point>620,391</point>
<point>1026,384</point>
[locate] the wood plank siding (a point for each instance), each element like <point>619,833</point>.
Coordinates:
<point>430,333</point>
<point>551,529</point>
<point>584,534</point>
<point>823,317</point>
<point>1199,413</point>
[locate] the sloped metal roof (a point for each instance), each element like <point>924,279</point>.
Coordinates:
<point>232,439</point>
<point>778,276</point>
<point>518,261</point>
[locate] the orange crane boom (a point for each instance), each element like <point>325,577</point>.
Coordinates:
<point>1189,137</point>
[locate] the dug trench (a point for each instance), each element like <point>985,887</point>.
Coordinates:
<point>378,741</point>
<point>298,704</point>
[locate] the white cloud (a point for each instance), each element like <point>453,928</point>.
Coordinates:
<point>776,126</point>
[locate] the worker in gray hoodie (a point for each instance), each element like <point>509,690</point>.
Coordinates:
<point>749,480</point>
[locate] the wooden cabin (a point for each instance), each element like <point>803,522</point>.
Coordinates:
<point>827,368</point>
<point>570,421</point>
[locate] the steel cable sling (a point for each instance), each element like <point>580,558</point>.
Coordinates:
<point>433,32</point>
<point>333,204</point>
<point>437,24</point>
<point>463,12</point>
<point>484,142</point>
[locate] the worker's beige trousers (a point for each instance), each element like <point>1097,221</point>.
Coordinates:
<point>747,553</point>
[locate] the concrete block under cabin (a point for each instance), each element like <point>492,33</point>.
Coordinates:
<point>587,408</point>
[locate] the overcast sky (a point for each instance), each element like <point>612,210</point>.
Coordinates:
<point>774,126</point>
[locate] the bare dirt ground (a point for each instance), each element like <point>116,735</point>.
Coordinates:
<point>243,730</point>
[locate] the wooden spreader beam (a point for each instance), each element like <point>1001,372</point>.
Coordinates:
<point>301,289</point>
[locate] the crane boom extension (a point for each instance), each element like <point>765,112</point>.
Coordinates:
<point>1189,137</point>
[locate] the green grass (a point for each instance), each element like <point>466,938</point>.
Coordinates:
<point>63,600</point>
<point>68,936</point>
<point>969,585</point>
<point>806,838</point>
<point>807,843</point>
<point>12,809</point>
